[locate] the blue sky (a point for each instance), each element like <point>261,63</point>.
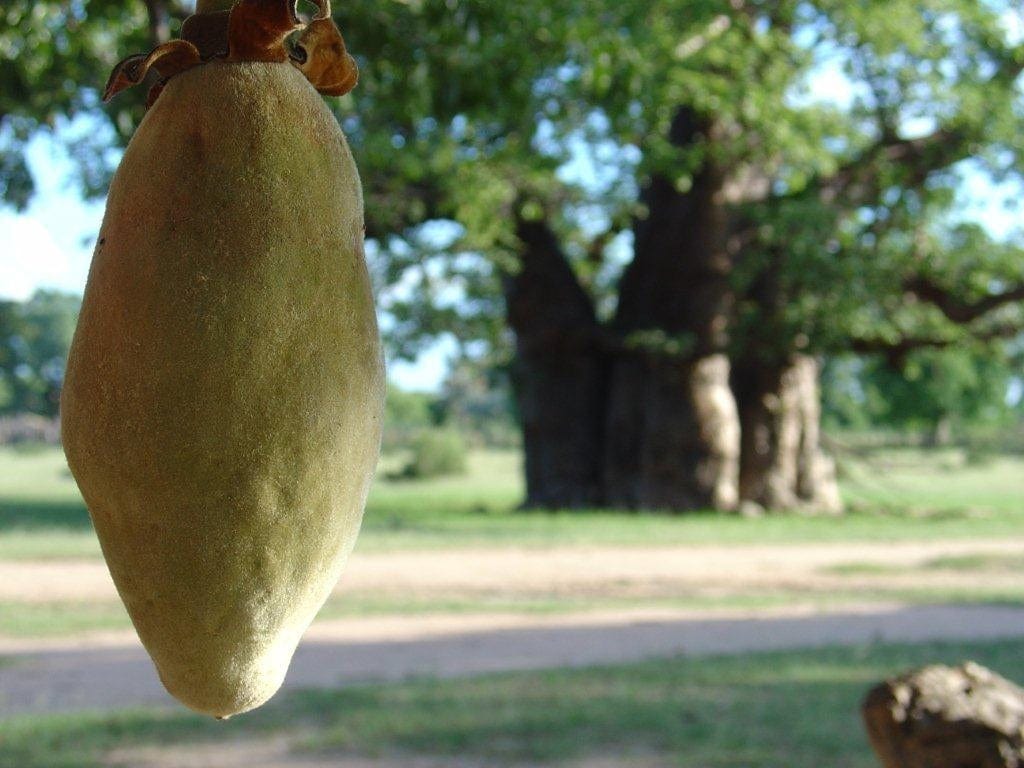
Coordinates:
<point>50,244</point>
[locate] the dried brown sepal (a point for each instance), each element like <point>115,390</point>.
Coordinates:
<point>253,30</point>
<point>325,61</point>
<point>257,30</point>
<point>208,32</point>
<point>168,60</point>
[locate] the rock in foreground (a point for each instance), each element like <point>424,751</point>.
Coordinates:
<point>947,717</point>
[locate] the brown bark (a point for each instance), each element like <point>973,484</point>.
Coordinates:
<point>672,430</point>
<point>956,308</point>
<point>673,435</point>
<point>782,464</point>
<point>559,375</point>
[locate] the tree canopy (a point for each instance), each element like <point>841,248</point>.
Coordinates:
<point>663,203</point>
<point>561,110</point>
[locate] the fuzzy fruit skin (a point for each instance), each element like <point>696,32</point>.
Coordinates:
<point>223,398</point>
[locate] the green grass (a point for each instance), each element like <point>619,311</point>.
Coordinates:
<point>42,515</point>
<point>775,710</point>
<point>41,511</point>
<point>935,483</point>
<point>62,619</point>
<point>975,562</point>
<point>57,619</point>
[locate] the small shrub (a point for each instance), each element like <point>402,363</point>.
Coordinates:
<point>980,455</point>
<point>436,453</point>
<point>406,414</point>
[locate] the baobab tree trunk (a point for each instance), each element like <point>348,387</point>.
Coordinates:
<point>672,435</point>
<point>672,426</point>
<point>782,464</point>
<point>559,375</point>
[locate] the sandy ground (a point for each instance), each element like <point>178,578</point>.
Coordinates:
<point>110,669</point>
<point>575,570</point>
<point>276,753</point>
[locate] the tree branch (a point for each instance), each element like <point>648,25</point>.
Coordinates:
<point>421,201</point>
<point>900,348</point>
<point>693,45</point>
<point>858,180</point>
<point>896,352</point>
<point>596,247</point>
<point>547,307</point>
<point>956,309</point>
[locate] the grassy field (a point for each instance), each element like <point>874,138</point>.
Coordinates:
<point>917,496</point>
<point>777,710</point>
<point>925,496</point>
<point>61,619</point>
<point>780,710</point>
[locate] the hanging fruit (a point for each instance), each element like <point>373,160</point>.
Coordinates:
<point>222,406</point>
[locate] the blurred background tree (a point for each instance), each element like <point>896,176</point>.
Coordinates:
<point>35,336</point>
<point>931,396</point>
<point>646,216</point>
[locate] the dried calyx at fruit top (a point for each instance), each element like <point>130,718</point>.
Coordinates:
<point>251,30</point>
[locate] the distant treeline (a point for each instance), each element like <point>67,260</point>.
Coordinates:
<point>35,336</point>
<point>473,402</point>
<point>938,396</point>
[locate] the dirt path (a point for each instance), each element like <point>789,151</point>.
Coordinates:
<point>336,654</point>
<point>279,753</point>
<point>569,570</point>
<point>110,670</point>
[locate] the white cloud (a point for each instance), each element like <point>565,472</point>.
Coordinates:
<point>32,259</point>
<point>1013,22</point>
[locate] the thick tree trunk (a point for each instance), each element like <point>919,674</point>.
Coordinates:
<point>782,465</point>
<point>673,435</point>
<point>559,374</point>
<point>941,433</point>
<point>672,427</point>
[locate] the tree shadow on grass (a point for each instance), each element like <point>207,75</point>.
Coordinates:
<point>773,710</point>
<point>35,516</point>
<point>491,722</point>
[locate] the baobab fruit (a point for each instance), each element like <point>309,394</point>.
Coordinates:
<point>223,397</point>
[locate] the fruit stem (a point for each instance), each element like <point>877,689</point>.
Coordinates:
<point>212,6</point>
